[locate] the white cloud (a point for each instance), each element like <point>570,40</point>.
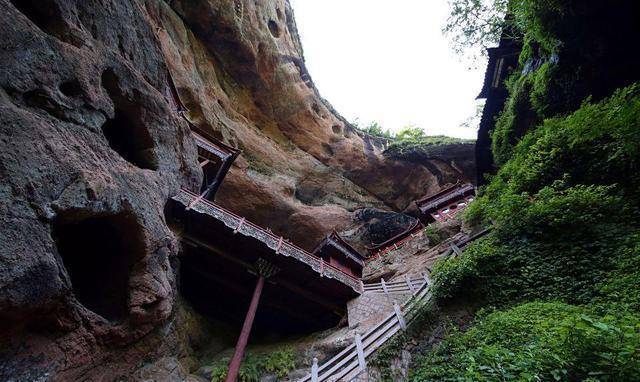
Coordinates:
<point>388,61</point>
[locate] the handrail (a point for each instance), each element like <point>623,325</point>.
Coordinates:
<point>386,328</point>
<point>355,281</point>
<point>394,239</point>
<point>392,246</point>
<point>395,282</point>
<point>370,342</point>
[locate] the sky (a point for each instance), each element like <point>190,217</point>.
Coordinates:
<point>388,61</point>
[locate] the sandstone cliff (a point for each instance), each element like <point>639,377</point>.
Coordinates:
<point>92,149</point>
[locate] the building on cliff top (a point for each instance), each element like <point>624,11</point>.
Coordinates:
<point>503,59</point>
<point>446,203</point>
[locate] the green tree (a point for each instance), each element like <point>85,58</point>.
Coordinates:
<point>474,25</point>
<point>410,132</point>
<point>374,129</point>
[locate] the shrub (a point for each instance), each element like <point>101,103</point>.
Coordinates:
<point>538,342</point>
<point>574,40</point>
<point>597,144</point>
<point>619,291</point>
<point>410,132</point>
<point>518,116</point>
<point>565,213</point>
<point>279,362</point>
<point>435,233</point>
<point>420,148</point>
<point>561,246</point>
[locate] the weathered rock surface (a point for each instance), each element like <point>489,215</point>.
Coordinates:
<point>91,149</point>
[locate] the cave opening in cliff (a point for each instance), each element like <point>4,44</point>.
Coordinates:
<point>126,131</point>
<point>274,28</point>
<point>45,14</point>
<point>98,254</point>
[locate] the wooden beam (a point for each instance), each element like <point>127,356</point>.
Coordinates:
<point>240,289</point>
<point>278,280</point>
<point>238,354</point>
<point>217,250</point>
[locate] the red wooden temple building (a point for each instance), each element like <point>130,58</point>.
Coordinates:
<point>335,251</point>
<point>214,156</point>
<point>446,203</point>
<point>215,159</point>
<point>229,263</point>
<point>230,267</point>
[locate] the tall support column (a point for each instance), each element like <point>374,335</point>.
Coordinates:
<point>264,270</point>
<point>238,354</point>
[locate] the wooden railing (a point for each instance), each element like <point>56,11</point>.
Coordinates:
<point>406,285</point>
<point>280,245</point>
<point>392,247</point>
<point>352,360</point>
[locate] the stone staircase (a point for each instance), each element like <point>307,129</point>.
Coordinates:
<point>351,361</point>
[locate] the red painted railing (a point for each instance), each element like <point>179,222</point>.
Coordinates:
<point>395,242</point>
<point>390,247</point>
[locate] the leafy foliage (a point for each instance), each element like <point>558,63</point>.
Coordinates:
<point>475,24</point>
<point>423,316</point>
<point>539,342</point>
<point>374,129</point>
<point>573,185</point>
<point>534,257</point>
<point>279,362</point>
<point>566,228</point>
<point>410,141</point>
<point>568,50</point>
<point>435,233</point>
<point>421,147</point>
<point>527,105</point>
<point>598,144</point>
<point>564,206</point>
<point>410,132</point>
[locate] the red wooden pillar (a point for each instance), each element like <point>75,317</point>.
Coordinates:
<point>234,365</point>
